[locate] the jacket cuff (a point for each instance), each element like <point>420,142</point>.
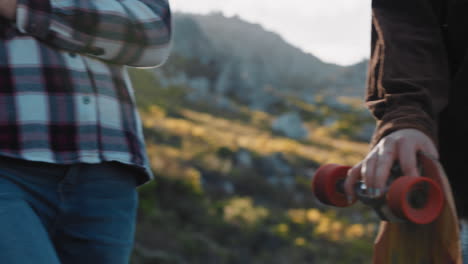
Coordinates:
<point>33,17</point>
<point>404,118</point>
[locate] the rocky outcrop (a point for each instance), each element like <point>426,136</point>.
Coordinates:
<point>290,125</point>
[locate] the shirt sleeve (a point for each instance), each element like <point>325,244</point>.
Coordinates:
<point>408,79</point>
<point>126,32</point>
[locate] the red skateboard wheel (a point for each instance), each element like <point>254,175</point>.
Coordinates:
<point>325,185</point>
<point>417,199</point>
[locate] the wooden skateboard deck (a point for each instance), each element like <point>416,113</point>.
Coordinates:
<point>434,243</point>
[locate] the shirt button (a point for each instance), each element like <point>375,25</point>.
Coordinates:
<point>86,100</point>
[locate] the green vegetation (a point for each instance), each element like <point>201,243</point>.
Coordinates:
<point>206,206</point>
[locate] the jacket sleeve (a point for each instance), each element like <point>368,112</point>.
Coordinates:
<point>408,79</point>
<point>126,32</point>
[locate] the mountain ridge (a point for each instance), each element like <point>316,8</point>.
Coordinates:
<point>253,60</point>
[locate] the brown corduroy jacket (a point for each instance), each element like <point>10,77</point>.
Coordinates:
<point>418,77</point>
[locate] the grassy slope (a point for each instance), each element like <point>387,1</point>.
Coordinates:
<point>186,218</point>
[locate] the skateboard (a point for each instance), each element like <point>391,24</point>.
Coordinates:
<point>419,220</point>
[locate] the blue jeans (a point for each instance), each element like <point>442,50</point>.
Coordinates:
<point>464,239</point>
<point>52,214</point>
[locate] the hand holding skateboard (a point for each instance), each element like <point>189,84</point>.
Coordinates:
<point>402,193</point>
<point>418,200</point>
<point>396,193</point>
<point>426,229</point>
<point>402,146</point>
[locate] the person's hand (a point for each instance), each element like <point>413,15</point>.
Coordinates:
<point>8,9</point>
<point>403,146</point>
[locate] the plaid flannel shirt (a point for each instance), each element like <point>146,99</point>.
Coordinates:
<point>65,95</point>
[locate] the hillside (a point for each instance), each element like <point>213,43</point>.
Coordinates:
<point>234,146</point>
<point>231,190</point>
<point>243,61</point>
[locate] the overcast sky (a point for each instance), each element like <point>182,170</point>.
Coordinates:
<point>336,31</point>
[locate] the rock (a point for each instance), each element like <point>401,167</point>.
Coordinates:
<point>225,104</point>
<point>299,197</point>
<point>275,165</point>
<point>200,85</point>
<point>288,182</point>
<point>243,158</point>
<point>329,121</point>
<point>199,89</point>
<point>229,188</point>
<point>309,173</point>
<point>290,125</point>
<point>262,101</point>
<point>223,83</point>
<point>273,180</point>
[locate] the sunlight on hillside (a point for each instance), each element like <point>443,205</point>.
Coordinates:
<point>328,226</point>
<point>242,211</point>
<point>216,132</point>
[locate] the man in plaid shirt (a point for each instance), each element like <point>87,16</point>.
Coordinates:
<point>71,143</point>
